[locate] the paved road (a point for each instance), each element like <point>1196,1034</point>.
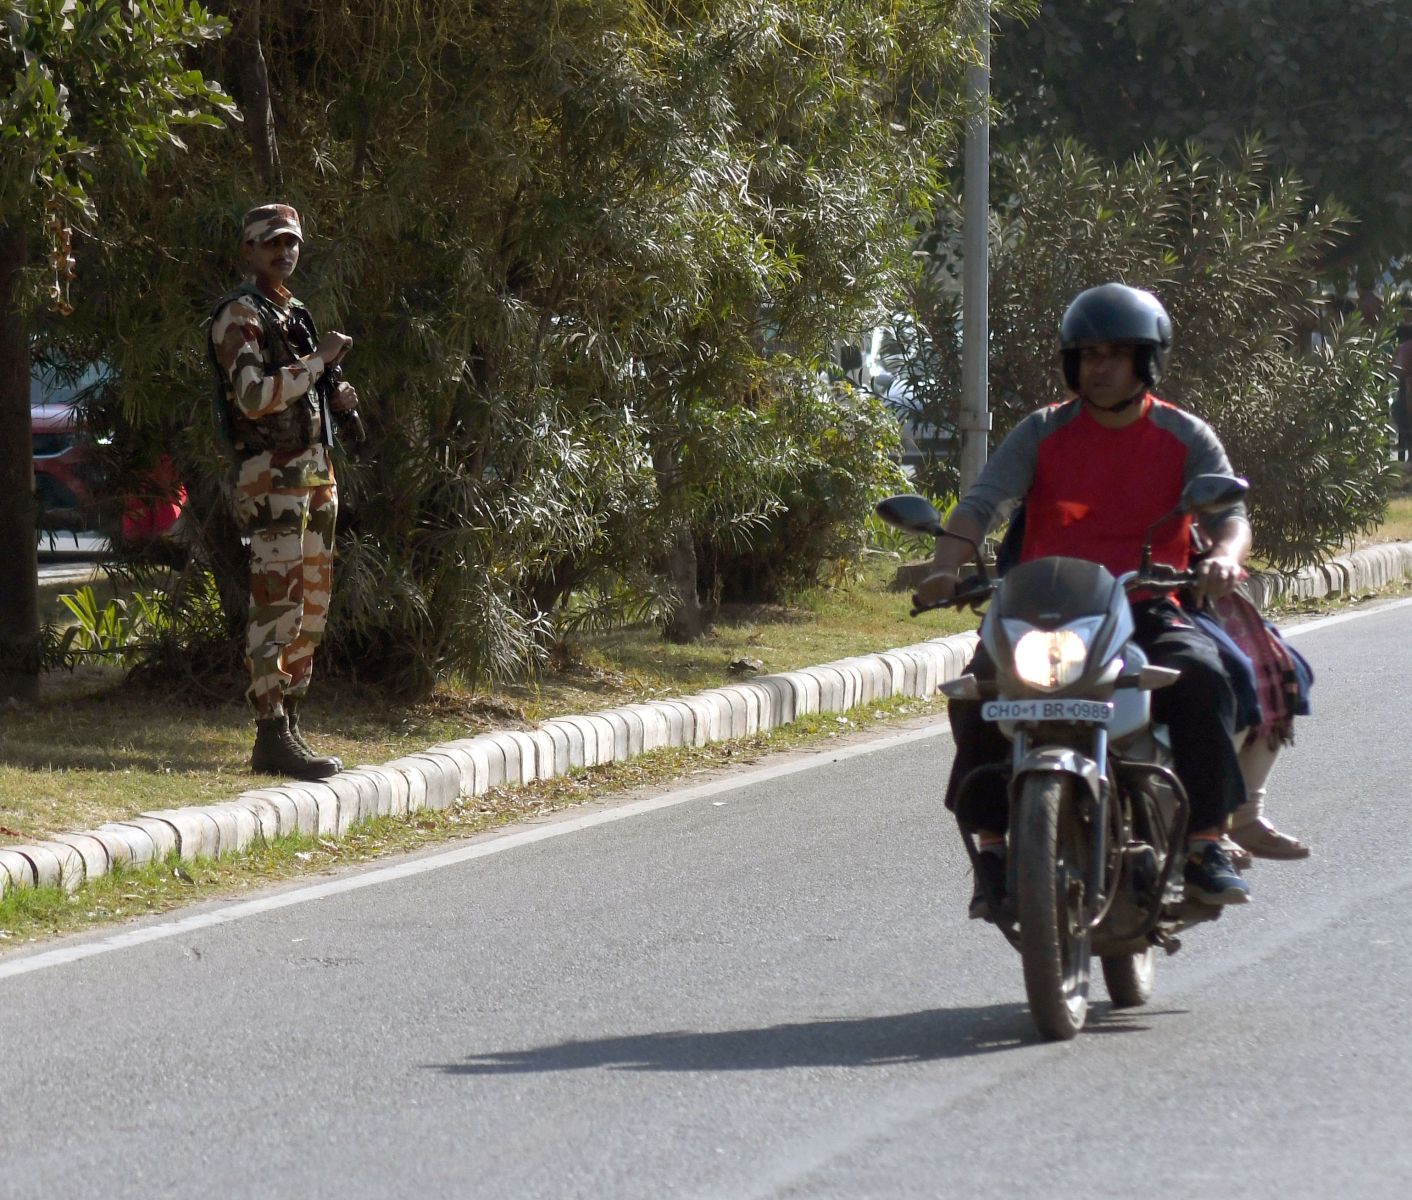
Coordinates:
<point>71,558</point>
<point>765,991</point>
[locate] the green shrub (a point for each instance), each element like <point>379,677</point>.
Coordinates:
<point>579,264</point>
<point>842,458</point>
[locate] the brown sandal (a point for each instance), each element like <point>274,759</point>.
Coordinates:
<point>1263,840</point>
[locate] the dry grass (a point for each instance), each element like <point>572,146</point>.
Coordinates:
<point>1397,524</point>
<point>1396,528</point>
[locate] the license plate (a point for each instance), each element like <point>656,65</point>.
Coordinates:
<point>1092,712</point>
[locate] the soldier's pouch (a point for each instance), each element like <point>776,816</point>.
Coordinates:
<point>276,547</point>
<point>287,431</point>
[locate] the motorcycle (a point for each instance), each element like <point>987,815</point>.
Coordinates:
<point>1098,818</point>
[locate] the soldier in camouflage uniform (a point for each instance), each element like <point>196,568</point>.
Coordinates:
<point>278,420</point>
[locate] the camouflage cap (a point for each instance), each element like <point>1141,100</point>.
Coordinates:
<point>269,221</point>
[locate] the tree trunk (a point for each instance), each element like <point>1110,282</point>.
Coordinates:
<point>250,85</point>
<point>687,622</point>
<point>19,559</point>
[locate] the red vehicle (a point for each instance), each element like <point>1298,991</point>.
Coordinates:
<point>68,475</point>
<point>65,475</point>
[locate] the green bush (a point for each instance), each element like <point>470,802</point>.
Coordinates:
<point>162,618</point>
<point>842,458</point>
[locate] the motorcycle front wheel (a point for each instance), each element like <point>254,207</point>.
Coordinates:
<point>1051,860</point>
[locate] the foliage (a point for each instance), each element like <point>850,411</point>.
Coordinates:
<point>1324,85</point>
<point>1229,252</point>
<point>586,251</point>
<point>844,444</point>
<point>89,90</point>
<point>150,623</point>
<point>106,632</point>
<point>85,78</point>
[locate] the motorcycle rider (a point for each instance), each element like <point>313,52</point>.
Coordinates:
<point>1095,472</point>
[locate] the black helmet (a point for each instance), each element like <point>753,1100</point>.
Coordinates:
<point>1115,312</point>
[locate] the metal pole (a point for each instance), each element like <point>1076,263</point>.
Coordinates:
<point>975,275</point>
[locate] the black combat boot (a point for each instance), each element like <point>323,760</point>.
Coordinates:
<point>291,710</point>
<point>276,753</point>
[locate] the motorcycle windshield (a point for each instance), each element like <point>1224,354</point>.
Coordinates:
<point>1049,592</point>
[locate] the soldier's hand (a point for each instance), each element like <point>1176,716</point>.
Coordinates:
<point>938,586</point>
<point>345,399</point>
<point>333,346</point>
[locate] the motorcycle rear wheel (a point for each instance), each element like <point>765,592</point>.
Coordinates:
<point>1130,977</point>
<point>1049,900</point>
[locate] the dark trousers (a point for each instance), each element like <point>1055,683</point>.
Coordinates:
<point>1199,710</point>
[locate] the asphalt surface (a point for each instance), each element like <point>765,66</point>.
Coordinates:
<point>768,990</point>
<point>71,557</point>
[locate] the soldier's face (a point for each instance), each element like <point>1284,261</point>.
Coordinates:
<point>273,261</point>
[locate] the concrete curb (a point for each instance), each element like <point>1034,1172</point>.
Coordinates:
<point>436,777</point>
<point>1355,573</point>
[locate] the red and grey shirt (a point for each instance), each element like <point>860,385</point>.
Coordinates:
<point>1093,492</point>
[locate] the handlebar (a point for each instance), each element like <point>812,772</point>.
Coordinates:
<point>971,593</point>
<point>974,591</point>
<point>1158,575</point>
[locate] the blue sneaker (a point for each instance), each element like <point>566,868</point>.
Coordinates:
<point>1211,878</point>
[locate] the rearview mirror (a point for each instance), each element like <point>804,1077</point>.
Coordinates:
<point>1212,493</point>
<point>913,514</point>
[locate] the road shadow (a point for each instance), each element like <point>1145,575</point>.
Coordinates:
<point>927,1036</point>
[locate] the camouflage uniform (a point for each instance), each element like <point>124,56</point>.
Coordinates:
<point>284,486</point>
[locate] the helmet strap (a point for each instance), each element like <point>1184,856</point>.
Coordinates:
<point>1121,406</point>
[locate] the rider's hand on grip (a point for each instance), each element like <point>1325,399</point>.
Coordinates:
<point>973,591</point>
<point>936,589</point>
<point>1218,575</point>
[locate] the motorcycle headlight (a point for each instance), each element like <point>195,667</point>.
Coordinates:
<point>1051,658</point>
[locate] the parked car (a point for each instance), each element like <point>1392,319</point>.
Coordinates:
<point>69,474</point>
<point>893,365</point>
<point>921,439</point>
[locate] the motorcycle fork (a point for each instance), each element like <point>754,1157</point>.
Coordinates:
<point>1098,830</point>
<point>1093,809</point>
